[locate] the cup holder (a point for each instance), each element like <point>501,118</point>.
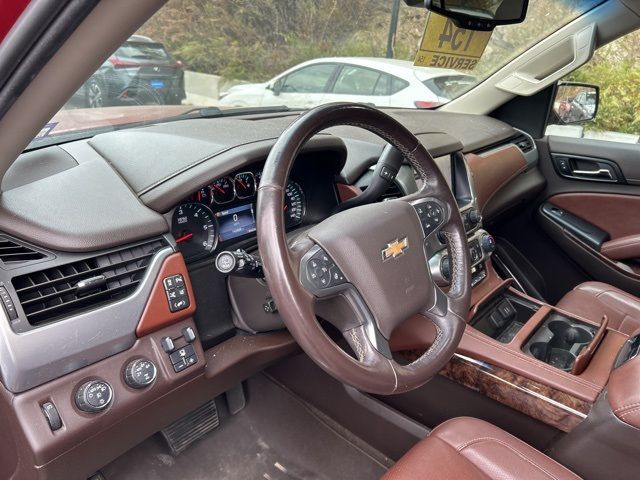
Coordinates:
<point>559,341</point>
<point>568,334</point>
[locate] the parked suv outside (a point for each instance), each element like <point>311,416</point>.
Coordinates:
<point>140,72</point>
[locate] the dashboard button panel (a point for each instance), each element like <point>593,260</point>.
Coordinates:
<point>177,294</point>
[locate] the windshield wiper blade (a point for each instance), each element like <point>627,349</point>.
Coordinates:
<point>213,112</point>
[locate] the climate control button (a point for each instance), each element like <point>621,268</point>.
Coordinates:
<point>93,396</point>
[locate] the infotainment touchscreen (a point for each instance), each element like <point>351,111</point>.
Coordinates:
<point>236,222</point>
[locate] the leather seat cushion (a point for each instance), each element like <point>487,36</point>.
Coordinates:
<point>470,449</point>
<point>592,300</point>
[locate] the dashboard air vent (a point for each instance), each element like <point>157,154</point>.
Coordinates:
<point>12,252</point>
<point>524,143</point>
<point>67,289</point>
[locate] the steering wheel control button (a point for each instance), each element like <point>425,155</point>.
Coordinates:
<point>94,396</point>
<point>322,272</point>
<point>52,416</point>
<point>388,173</point>
<point>431,216</point>
<point>167,344</point>
<point>7,303</point>
<point>177,294</point>
<point>140,373</point>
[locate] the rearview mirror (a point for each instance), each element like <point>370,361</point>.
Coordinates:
<point>478,14</point>
<point>576,103</point>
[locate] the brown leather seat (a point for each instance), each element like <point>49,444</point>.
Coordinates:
<point>592,300</point>
<point>470,449</point>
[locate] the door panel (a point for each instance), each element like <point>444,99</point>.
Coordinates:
<point>625,155</point>
<point>591,216</point>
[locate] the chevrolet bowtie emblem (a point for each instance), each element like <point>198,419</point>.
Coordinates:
<point>395,249</point>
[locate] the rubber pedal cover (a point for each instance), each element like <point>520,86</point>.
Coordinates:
<point>193,426</point>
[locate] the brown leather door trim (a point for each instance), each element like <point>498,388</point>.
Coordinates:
<point>612,213</point>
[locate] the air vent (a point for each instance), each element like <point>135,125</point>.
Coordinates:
<point>12,252</point>
<point>68,289</point>
<point>524,143</point>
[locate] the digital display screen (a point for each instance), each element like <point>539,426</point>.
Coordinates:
<point>236,222</point>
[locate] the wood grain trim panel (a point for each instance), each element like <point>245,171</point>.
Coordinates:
<point>493,170</point>
<point>156,314</point>
<point>544,403</point>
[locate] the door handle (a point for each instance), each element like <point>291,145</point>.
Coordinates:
<point>600,173</point>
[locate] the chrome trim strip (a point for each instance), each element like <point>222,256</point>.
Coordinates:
<point>35,357</point>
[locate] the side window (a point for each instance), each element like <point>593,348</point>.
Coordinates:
<point>356,81</point>
<point>397,84</point>
<point>614,69</point>
<point>311,79</point>
<point>383,87</point>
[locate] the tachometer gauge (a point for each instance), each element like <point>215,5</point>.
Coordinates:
<point>245,185</point>
<point>293,204</point>
<point>222,190</point>
<point>195,229</point>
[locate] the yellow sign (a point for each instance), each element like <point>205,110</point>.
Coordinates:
<point>446,46</point>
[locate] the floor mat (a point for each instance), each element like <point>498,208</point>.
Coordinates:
<point>276,437</point>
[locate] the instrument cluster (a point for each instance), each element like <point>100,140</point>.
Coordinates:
<point>224,211</point>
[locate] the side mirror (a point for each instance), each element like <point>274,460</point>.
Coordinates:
<point>276,87</point>
<point>576,103</point>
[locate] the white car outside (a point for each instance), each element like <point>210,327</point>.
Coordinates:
<point>377,81</point>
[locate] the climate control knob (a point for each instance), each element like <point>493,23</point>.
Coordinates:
<point>93,396</point>
<point>488,243</point>
<point>140,373</point>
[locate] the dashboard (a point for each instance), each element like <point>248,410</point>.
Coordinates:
<point>90,288</point>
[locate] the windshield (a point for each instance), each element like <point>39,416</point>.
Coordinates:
<point>276,54</point>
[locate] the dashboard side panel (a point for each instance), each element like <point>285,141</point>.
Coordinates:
<point>42,354</point>
<point>493,170</point>
<point>156,314</point>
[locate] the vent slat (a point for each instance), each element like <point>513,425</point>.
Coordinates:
<point>71,290</point>
<point>50,294</point>
<point>89,299</point>
<point>80,274</point>
<point>12,252</point>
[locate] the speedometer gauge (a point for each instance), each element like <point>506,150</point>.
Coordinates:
<point>195,230</point>
<point>293,204</point>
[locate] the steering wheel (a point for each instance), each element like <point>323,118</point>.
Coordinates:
<point>371,260</point>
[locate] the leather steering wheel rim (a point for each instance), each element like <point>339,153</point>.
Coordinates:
<point>380,291</point>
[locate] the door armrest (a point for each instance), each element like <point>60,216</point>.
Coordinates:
<point>623,248</point>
